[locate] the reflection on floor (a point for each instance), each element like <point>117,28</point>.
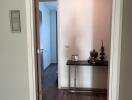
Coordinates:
<point>51,92</point>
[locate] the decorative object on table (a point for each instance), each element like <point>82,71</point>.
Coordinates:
<point>93,57</point>
<point>102,53</point>
<point>75,58</point>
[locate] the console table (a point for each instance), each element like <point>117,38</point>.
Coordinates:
<point>71,63</point>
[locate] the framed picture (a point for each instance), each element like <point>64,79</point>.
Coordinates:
<point>15,22</point>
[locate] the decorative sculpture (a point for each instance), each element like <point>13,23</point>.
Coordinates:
<point>102,53</point>
<point>93,57</point>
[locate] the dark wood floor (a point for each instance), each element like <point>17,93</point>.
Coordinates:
<point>49,77</point>
<point>56,94</point>
<point>51,92</point>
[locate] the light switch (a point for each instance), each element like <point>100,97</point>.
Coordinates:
<point>15,21</point>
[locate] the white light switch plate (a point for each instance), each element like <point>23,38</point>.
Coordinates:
<point>15,21</point>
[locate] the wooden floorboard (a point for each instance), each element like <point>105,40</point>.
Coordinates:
<point>56,94</point>
<point>51,92</point>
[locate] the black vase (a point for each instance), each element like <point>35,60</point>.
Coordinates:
<point>102,52</point>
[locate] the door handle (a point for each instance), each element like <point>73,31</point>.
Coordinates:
<point>38,51</point>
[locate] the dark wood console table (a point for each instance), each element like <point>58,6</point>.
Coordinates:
<point>80,63</point>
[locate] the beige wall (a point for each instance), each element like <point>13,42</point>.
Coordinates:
<point>125,92</point>
<point>13,54</point>
<point>82,26</point>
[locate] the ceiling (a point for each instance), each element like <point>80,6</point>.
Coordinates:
<point>46,0</point>
<point>52,5</point>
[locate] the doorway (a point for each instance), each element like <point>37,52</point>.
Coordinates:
<point>48,45</point>
<point>67,46</point>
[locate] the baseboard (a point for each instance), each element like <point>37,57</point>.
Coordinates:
<point>90,90</point>
<point>49,66</point>
<point>54,64</point>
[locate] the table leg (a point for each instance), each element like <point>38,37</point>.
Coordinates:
<point>69,78</point>
<point>75,77</point>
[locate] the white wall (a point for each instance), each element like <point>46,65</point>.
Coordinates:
<point>125,89</point>
<point>45,34</point>
<point>53,36</point>
<point>13,54</point>
<point>82,26</point>
<point>48,32</point>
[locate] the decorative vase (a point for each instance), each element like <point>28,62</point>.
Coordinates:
<point>102,53</point>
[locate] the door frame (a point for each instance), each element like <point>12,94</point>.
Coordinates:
<point>116,39</point>
<point>114,70</point>
<point>33,67</point>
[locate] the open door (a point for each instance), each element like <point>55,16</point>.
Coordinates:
<point>37,50</point>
